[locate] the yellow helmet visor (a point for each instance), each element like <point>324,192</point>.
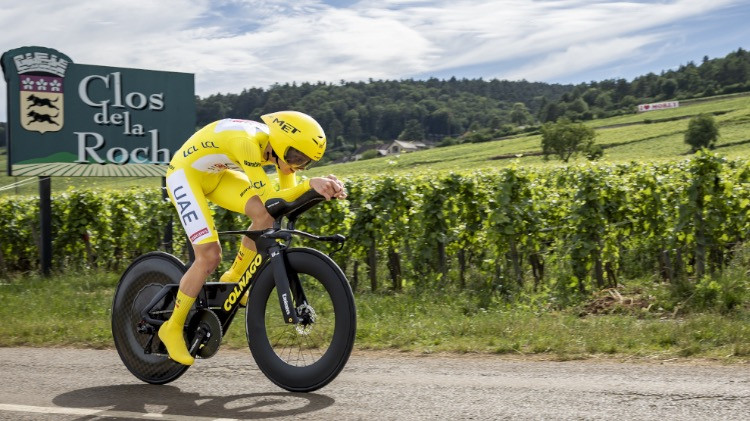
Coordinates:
<point>296,159</point>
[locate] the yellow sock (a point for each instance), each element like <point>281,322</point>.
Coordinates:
<point>170,332</point>
<point>240,265</point>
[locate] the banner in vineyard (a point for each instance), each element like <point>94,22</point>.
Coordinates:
<point>68,119</point>
<point>642,108</point>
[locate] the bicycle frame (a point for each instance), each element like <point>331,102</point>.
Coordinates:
<point>223,298</point>
<point>302,354</point>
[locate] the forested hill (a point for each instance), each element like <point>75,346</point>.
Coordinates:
<point>353,112</point>
<point>470,110</point>
<point>730,74</point>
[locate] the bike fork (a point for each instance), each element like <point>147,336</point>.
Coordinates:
<point>282,285</point>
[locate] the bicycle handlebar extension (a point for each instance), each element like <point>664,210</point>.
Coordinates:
<point>279,207</point>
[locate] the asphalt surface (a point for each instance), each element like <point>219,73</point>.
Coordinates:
<point>72,384</point>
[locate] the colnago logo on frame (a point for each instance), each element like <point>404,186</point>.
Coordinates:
<point>41,90</point>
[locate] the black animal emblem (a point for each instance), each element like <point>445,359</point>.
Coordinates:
<point>41,102</point>
<point>41,118</point>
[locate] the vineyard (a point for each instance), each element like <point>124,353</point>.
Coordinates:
<point>567,231</point>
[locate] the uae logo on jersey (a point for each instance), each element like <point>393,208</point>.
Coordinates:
<point>41,79</point>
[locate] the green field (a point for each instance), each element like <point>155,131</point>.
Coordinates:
<point>655,135</point>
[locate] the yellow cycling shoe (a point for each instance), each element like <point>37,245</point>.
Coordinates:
<point>170,332</point>
<point>172,338</point>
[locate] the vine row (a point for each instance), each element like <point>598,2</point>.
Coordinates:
<point>573,229</point>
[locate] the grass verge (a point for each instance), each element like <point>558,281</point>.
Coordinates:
<point>74,310</point>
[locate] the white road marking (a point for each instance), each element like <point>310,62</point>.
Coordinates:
<point>48,410</point>
<point>103,412</point>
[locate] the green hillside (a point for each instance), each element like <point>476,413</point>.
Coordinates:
<point>655,135</point>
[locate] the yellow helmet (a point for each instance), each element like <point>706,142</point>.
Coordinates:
<point>295,137</point>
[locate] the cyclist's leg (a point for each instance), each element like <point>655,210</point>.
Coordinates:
<point>232,193</point>
<point>186,193</point>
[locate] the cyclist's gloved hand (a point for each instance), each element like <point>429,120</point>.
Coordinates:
<point>329,187</point>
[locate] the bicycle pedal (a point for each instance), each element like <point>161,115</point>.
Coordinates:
<point>204,334</point>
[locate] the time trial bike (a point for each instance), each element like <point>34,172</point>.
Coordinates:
<point>300,336</point>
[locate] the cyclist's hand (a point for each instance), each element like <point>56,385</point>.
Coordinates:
<point>341,189</point>
<point>329,187</point>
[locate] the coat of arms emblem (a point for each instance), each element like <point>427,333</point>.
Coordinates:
<point>41,78</point>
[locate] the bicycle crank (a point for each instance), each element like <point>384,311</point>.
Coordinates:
<point>204,334</point>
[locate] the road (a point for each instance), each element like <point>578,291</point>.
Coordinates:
<point>71,384</point>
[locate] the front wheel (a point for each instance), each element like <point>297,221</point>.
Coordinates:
<point>306,356</point>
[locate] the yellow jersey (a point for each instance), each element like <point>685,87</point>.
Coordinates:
<point>223,162</point>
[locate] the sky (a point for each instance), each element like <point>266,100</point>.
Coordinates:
<point>231,45</point>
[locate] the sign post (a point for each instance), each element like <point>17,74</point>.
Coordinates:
<point>68,119</point>
<point>45,224</point>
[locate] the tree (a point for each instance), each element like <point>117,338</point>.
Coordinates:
<point>702,132</point>
<point>412,131</point>
<point>520,115</point>
<point>212,108</point>
<point>578,110</point>
<point>353,128</point>
<point>578,106</point>
<point>369,154</point>
<point>591,95</point>
<point>551,112</point>
<point>334,130</point>
<point>441,122</point>
<point>668,87</point>
<point>565,139</point>
<point>604,100</point>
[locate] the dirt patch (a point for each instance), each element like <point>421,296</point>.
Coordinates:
<point>611,301</point>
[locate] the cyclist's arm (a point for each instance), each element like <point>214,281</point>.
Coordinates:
<point>289,190</point>
<point>286,181</point>
<point>259,184</point>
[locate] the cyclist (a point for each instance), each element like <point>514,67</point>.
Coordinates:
<point>223,162</point>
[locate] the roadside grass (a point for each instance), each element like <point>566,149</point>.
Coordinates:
<point>74,310</point>
<point>456,324</point>
<point>62,310</point>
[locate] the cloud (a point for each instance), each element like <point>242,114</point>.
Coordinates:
<point>231,45</point>
<point>581,57</point>
<point>470,33</point>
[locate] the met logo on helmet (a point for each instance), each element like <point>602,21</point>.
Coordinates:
<point>293,129</point>
<point>283,125</point>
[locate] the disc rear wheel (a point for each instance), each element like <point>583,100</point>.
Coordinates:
<point>136,342</point>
